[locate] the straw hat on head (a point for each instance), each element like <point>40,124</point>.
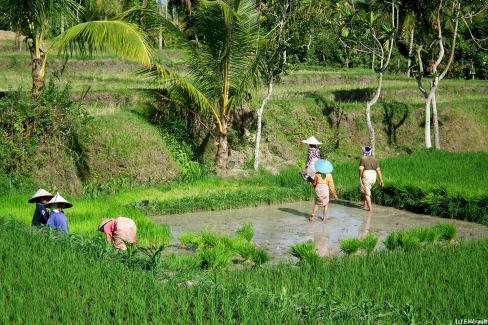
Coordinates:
<point>312,140</point>
<point>57,199</point>
<point>103,223</point>
<point>41,193</point>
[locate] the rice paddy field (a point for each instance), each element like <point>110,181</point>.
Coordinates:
<point>63,281</point>
<point>47,278</point>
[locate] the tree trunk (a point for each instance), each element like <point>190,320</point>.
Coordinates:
<point>369,104</point>
<point>38,67</point>
<point>260,118</point>
<point>437,141</point>
<point>62,24</point>
<point>222,147</point>
<point>428,103</point>
<point>160,40</point>
<point>410,50</point>
<point>373,57</point>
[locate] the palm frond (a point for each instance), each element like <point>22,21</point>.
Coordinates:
<point>33,18</point>
<point>125,39</point>
<point>178,85</point>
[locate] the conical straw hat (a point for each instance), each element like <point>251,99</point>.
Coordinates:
<point>59,199</point>
<point>103,222</point>
<point>40,193</point>
<point>312,140</point>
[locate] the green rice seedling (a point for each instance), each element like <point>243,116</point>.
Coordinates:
<point>423,234</point>
<point>214,257</point>
<point>245,249</point>
<point>305,252</point>
<point>209,240</point>
<point>260,256</point>
<point>409,241</point>
<point>392,241</point>
<point>189,238</point>
<point>368,243</point>
<point>246,232</point>
<point>444,231</point>
<point>350,246</point>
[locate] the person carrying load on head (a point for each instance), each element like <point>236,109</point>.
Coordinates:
<point>313,155</point>
<point>368,170</point>
<point>57,219</point>
<point>41,213</point>
<point>324,185</point>
<point>119,231</point>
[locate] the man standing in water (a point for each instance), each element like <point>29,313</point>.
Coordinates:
<point>368,169</point>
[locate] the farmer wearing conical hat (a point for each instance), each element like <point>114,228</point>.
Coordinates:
<point>119,231</point>
<point>324,185</point>
<point>57,219</point>
<point>41,214</point>
<point>313,155</point>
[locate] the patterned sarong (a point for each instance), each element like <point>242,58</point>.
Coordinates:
<point>367,181</point>
<point>321,195</point>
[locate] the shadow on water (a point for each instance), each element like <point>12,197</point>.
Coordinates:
<point>348,204</point>
<point>295,212</point>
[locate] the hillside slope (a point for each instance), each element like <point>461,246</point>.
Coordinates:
<point>310,101</point>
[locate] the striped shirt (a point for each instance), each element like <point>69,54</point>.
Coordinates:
<point>313,153</point>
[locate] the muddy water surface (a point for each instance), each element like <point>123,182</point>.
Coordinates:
<point>276,227</point>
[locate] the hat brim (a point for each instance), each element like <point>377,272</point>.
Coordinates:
<point>310,142</point>
<point>103,224</point>
<point>36,199</point>
<point>67,205</point>
<point>325,170</point>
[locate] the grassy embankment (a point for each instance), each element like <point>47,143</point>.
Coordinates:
<point>59,281</point>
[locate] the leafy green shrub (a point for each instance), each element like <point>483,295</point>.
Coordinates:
<point>305,252</point>
<point>53,119</point>
<point>350,246</point>
<point>246,232</point>
<point>368,243</point>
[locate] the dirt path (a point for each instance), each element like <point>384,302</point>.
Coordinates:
<point>279,226</point>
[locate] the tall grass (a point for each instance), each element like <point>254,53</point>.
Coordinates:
<point>55,283</point>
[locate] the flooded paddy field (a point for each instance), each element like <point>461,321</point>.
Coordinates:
<point>276,227</point>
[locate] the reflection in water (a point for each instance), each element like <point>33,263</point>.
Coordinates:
<point>321,240</point>
<point>364,231</point>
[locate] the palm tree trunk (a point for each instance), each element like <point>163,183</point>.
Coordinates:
<point>160,39</point>
<point>222,146</point>
<point>37,76</point>
<point>260,118</point>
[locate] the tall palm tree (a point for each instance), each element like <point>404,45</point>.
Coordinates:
<point>223,67</point>
<point>34,19</point>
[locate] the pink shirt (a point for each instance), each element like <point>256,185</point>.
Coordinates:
<point>109,229</point>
